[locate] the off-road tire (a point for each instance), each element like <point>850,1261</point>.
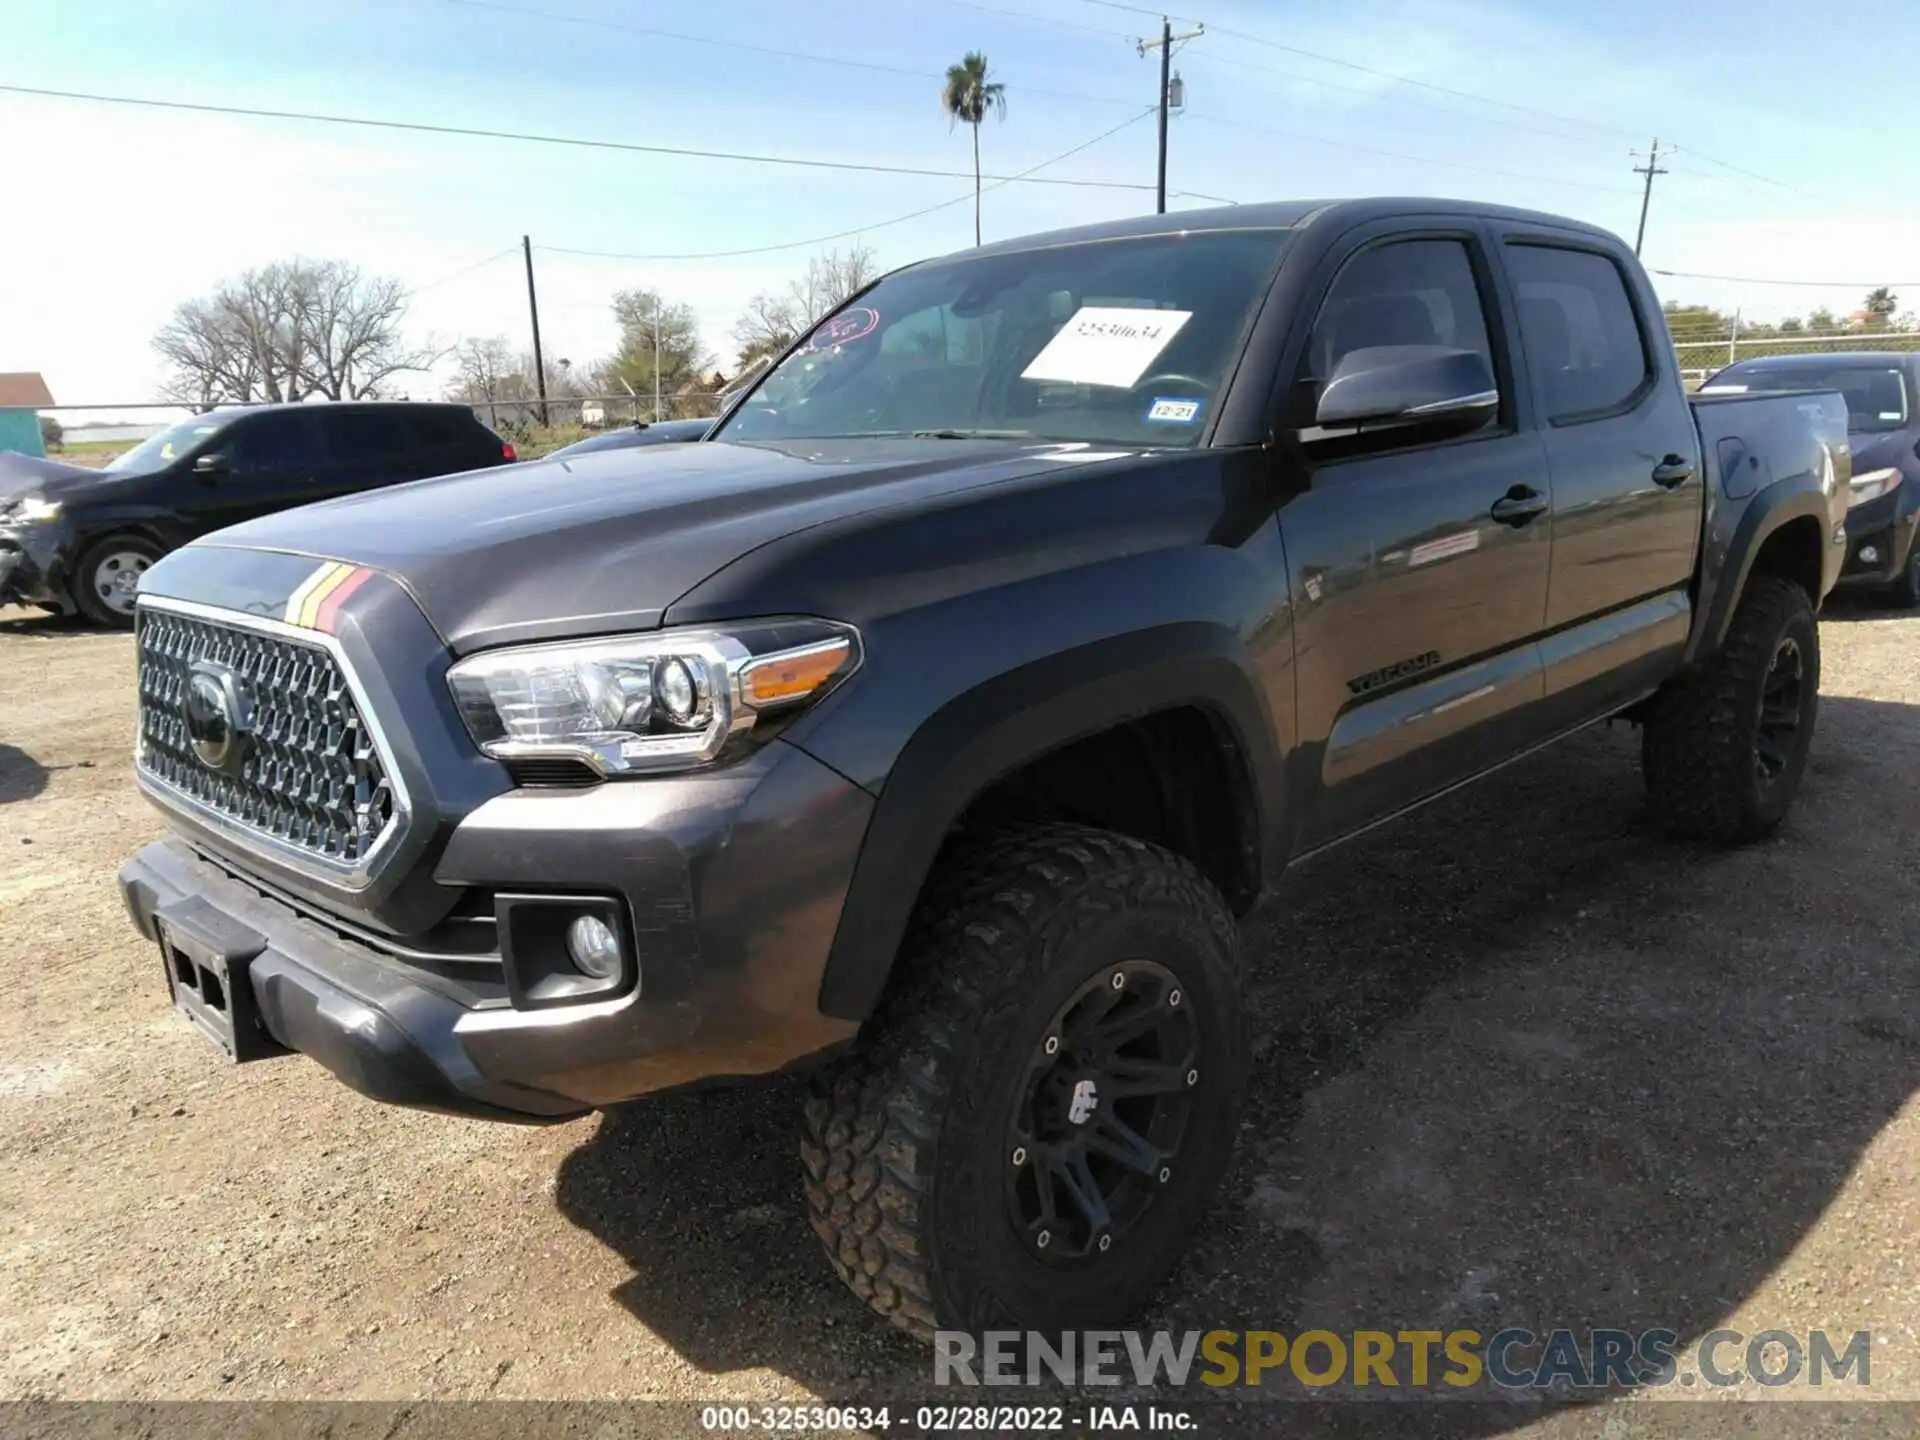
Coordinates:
<point>1699,744</point>
<point>902,1142</point>
<point>90,603</point>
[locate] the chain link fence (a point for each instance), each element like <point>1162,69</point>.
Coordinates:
<point>529,422</point>
<point>1701,356</point>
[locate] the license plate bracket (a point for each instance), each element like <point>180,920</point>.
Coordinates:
<point>206,959</point>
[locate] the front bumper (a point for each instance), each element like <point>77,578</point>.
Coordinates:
<point>1890,541</point>
<point>33,564</point>
<point>731,881</point>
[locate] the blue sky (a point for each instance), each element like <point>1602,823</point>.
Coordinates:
<point>130,211</point>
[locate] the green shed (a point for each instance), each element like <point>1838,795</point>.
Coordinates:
<point>23,394</point>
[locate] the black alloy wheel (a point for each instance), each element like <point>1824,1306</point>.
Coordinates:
<point>1781,704</point>
<point>1101,1114</point>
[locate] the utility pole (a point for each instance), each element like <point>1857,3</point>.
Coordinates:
<point>1650,169</point>
<point>1165,45</point>
<point>656,358</point>
<point>533,312</point>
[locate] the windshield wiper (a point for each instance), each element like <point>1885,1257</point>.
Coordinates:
<point>951,434</point>
<point>945,433</point>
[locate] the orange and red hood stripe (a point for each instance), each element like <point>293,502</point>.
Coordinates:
<point>316,601</point>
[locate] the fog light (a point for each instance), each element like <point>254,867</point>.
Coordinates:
<point>593,946</point>
<point>1869,554</point>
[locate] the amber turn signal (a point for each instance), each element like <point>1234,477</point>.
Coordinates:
<point>795,675</point>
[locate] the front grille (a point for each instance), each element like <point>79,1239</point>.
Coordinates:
<point>312,777</point>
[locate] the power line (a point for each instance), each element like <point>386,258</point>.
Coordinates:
<point>1528,110</point>
<point>528,11</point>
<point>1810,284</point>
<point>1749,174</point>
<point>1416,159</point>
<point>1140,10</point>
<point>863,229</point>
<point>468,270</point>
<point>1410,80</point>
<point>576,142</point>
<point>1206,57</point>
<point>1035,19</point>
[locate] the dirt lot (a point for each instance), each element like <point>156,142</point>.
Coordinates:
<point>1521,1063</point>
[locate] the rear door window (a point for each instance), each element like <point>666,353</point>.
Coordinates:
<point>435,429</point>
<point>364,436</point>
<point>270,444</point>
<point>1580,330</point>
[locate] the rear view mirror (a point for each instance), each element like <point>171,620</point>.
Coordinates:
<point>1394,385</point>
<point>213,464</point>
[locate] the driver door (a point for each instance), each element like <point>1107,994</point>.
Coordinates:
<point>270,463</point>
<point>1417,608</point>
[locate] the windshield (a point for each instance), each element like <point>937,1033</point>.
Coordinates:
<point>1876,395</point>
<point>1117,341</point>
<point>166,447</point>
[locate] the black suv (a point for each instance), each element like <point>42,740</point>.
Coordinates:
<point>72,538</point>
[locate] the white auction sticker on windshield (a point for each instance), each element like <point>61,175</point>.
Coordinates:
<point>1106,345</point>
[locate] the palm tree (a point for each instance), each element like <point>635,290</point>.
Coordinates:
<point>968,95</point>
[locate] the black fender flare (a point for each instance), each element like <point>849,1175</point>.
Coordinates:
<point>1003,723</point>
<point>1727,559</point>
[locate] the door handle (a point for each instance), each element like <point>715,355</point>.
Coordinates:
<point>1673,472</point>
<point>1519,505</point>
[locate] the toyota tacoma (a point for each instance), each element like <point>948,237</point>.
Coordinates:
<point>928,725</point>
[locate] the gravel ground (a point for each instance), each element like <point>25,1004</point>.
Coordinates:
<point>1520,1062</point>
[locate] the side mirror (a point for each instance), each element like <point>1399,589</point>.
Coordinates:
<point>1388,386</point>
<point>212,465</point>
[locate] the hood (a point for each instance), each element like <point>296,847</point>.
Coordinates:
<point>30,475</point>
<point>606,542</point>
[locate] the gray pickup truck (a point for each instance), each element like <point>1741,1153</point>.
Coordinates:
<point>928,725</point>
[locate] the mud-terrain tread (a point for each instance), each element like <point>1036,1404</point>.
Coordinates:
<point>871,1123</point>
<point>1695,748</point>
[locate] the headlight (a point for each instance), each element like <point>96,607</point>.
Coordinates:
<point>1871,485</point>
<point>637,704</point>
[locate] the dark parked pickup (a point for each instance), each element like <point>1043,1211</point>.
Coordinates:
<point>935,718</point>
<point>1883,426</point>
<point>72,538</point>
<point>634,437</point>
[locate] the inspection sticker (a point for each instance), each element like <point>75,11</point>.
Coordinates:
<point>849,325</point>
<point>1165,411</point>
<point>1106,345</point>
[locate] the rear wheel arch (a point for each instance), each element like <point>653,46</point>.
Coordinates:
<point>1164,737</point>
<point>1782,532</point>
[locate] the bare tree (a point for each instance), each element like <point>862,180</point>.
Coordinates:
<point>289,330</point>
<point>487,369</point>
<point>768,326</point>
<point>834,278</point>
<point>773,322</point>
<point>484,369</point>
<point>350,326</point>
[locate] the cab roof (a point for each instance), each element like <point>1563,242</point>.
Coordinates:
<point>1281,215</point>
